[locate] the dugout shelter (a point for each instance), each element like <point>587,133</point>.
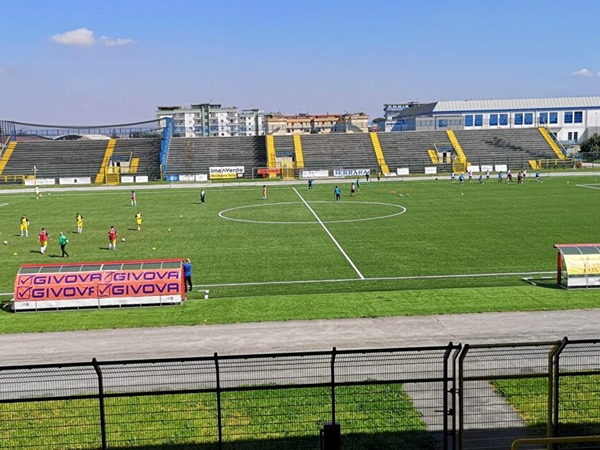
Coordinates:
<point>98,284</point>
<point>578,265</point>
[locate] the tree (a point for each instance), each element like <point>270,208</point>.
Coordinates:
<point>378,120</point>
<point>591,145</point>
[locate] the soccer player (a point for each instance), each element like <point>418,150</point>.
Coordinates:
<point>202,197</point>
<point>338,194</point>
<point>133,198</point>
<point>352,190</point>
<point>461,178</point>
<point>452,177</point>
<point>500,177</point>
<point>487,175</point>
<point>24,226</point>
<point>79,220</point>
<point>264,192</point>
<point>37,192</point>
<point>112,238</point>
<point>187,274</point>
<point>138,220</point>
<point>43,238</point>
<point>63,241</point>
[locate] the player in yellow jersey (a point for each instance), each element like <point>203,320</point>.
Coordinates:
<point>138,220</point>
<point>79,220</point>
<point>24,226</point>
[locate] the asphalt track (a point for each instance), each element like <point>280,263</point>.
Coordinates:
<point>292,336</point>
<point>297,336</point>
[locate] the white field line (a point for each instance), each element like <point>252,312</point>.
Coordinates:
<point>589,186</point>
<point>346,280</point>
<point>416,277</point>
<point>3,204</point>
<point>331,236</point>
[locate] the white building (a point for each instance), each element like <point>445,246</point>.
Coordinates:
<point>251,122</point>
<point>571,119</point>
<point>205,119</point>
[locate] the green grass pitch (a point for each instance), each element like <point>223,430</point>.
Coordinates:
<point>299,254</point>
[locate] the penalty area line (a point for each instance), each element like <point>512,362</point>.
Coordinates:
<point>331,236</point>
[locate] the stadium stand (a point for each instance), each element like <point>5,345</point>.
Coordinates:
<point>338,151</point>
<point>142,154</point>
<point>410,149</point>
<point>197,155</point>
<point>511,146</point>
<point>51,158</point>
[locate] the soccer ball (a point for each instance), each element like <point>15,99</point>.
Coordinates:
<point>5,242</point>
<point>122,239</point>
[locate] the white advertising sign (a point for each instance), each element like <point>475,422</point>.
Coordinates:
<point>350,172</point>
<point>315,173</point>
<point>78,180</point>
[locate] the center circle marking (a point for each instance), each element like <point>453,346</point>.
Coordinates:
<point>223,214</point>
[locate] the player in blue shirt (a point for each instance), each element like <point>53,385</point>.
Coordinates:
<point>187,274</point>
<point>338,193</point>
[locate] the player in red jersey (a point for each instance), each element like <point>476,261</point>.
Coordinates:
<point>112,238</point>
<point>43,238</point>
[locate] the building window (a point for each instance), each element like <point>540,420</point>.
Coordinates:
<point>570,136</point>
<point>469,121</point>
<point>478,120</point>
<point>528,118</point>
<point>578,117</point>
<point>503,119</point>
<point>543,118</point>
<point>575,135</point>
<point>519,119</point>
<point>554,117</point>
<point>493,120</point>
<point>569,117</point>
<point>442,123</point>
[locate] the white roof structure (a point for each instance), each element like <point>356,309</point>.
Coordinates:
<point>516,104</point>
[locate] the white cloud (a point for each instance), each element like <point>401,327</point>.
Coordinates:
<point>583,73</point>
<point>115,42</point>
<point>82,37</point>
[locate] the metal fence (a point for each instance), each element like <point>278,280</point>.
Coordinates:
<point>447,397</point>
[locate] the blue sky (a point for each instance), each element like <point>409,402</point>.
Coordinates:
<point>113,61</point>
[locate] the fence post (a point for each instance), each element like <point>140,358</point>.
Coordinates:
<point>449,410</point>
<point>556,386</point>
<point>461,430</point>
<point>331,434</point>
<point>219,415</point>
<point>101,402</point>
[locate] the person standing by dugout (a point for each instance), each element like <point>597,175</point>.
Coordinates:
<point>187,275</point>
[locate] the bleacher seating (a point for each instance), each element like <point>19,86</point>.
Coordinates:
<point>338,151</point>
<point>81,158</point>
<point>284,145</point>
<point>513,147</point>
<point>197,155</point>
<point>409,148</point>
<point>146,149</point>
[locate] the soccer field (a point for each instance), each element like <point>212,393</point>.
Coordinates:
<point>390,236</point>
